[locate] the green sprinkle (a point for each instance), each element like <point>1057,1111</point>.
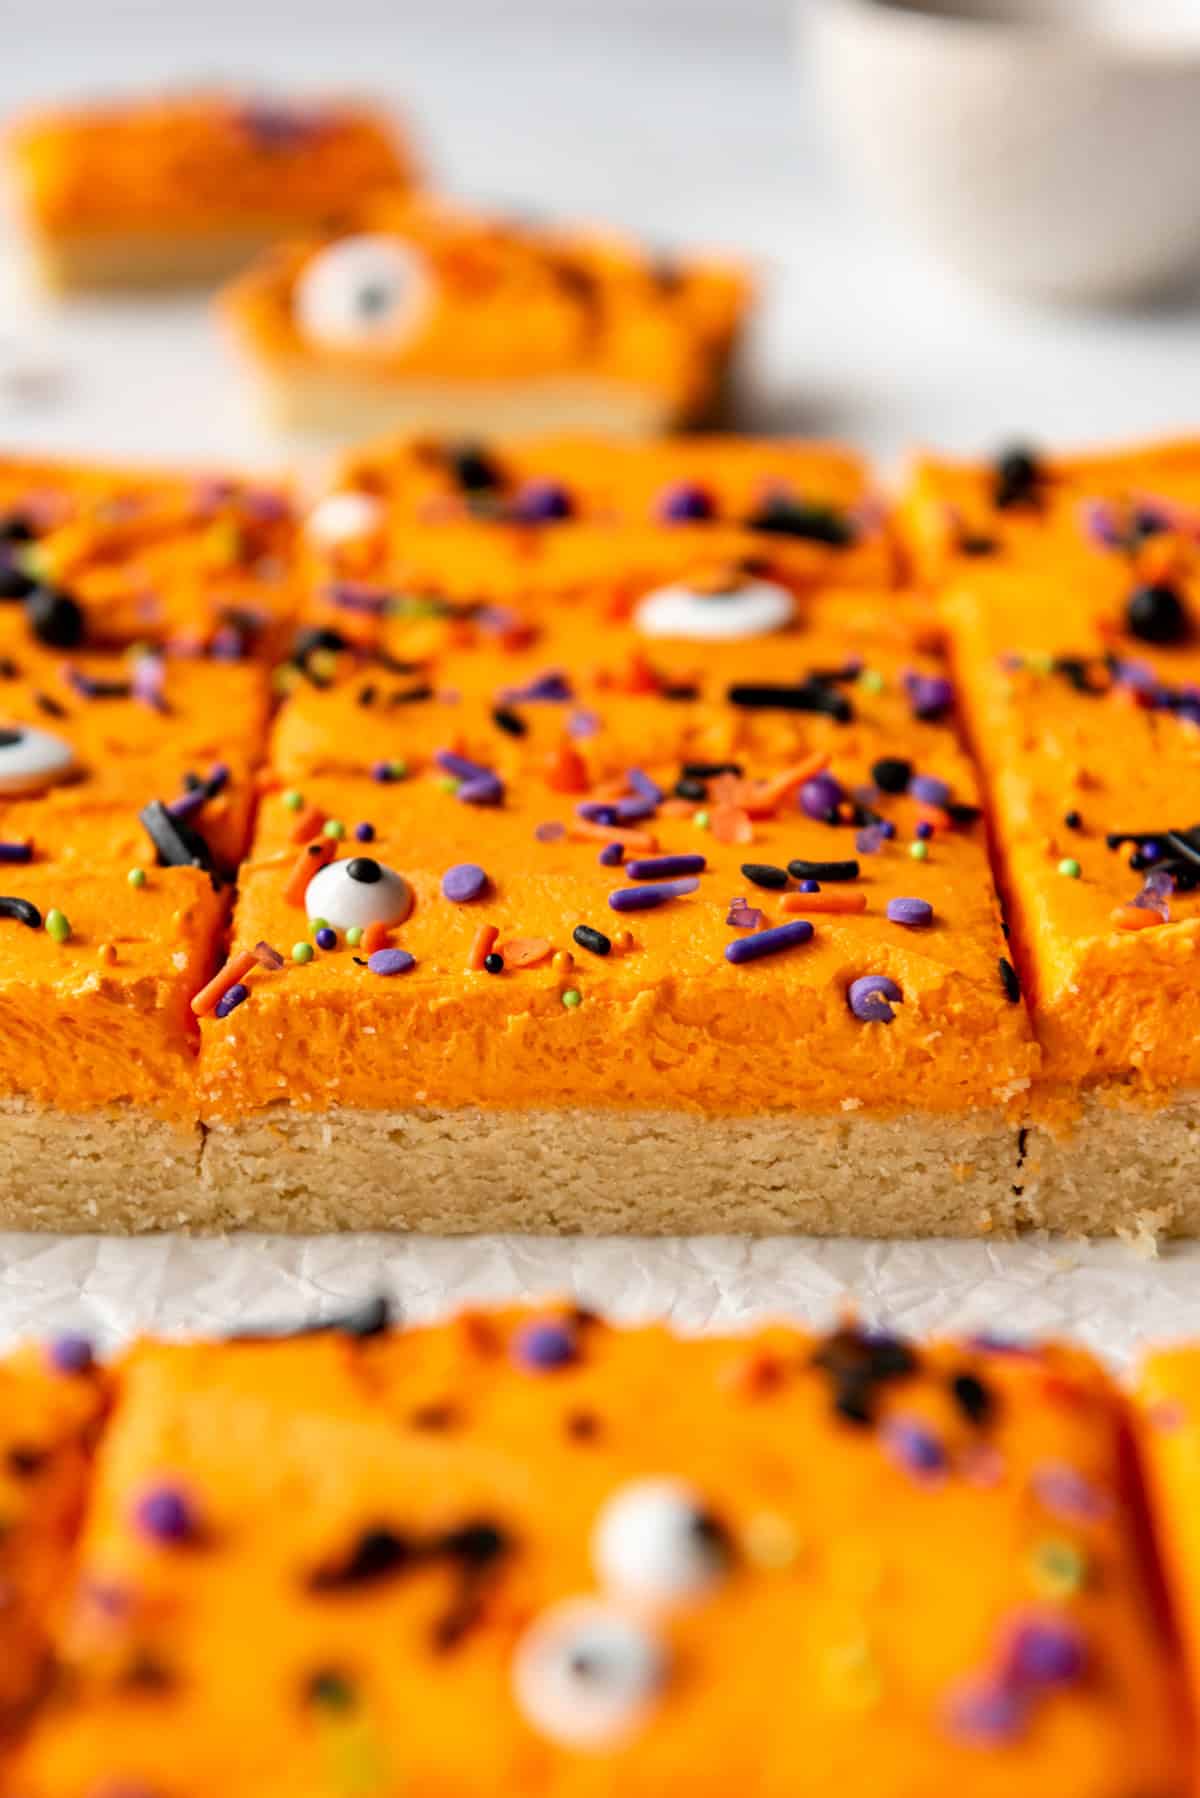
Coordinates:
<point>302,952</point>
<point>398,770</point>
<point>333,827</point>
<point>572,997</point>
<point>1059,1569</point>
<point>293,799</point>
<point>1070,867</point>
<point>315,924</point>
<point>136,877</point>
<point>919,851</point>
<point>1041,664</point>
<point>354,935</point>
<point>57,925</point>
<point>871,681</point>
<point>448,784</point>
<point>702,820</point>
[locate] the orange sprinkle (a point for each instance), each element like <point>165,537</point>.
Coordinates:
<point>308,825</point>
<point>677,808</point>
<point>208,996</point>
<point>563,961</point>
<point>107,953</point>
<point>827,902</point>
<point>526,951</point>
<point>582,829</point>
<point>623,942</point>
<point>374,937</point>
<point>311,857</point>
<point>566,770</point>
<point>1135,917</point>
<point>768,795</point>
<point>485,936</point>
<point>730,824</point>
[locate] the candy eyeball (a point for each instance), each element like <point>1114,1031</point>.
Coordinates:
<point>656,1544</point>
<point>586,1675</point>
<point>32,760</point>
<point>750,608</point>
<point>360,891</point>
<point>362,293</point>
<point>344,518</point>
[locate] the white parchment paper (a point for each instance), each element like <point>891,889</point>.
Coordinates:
<point>1105,1294</point>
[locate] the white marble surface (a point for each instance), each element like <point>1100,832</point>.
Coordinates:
<point>685,119</point>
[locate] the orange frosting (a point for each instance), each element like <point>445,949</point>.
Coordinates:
<point>376,1540</point>
<point>514,300</point>
<point>199,163</point>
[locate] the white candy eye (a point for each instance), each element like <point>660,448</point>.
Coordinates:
<point>586,1675</point>
<point>32,760</point>
<point>655,1544</point>
<point>359,891</point>
<point>362,293</point>
<point>750,609</point>
<point>343,518</point>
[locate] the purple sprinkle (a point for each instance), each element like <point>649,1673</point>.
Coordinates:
<point>365,833</point>
<point>742,916</point>
<point>868,998</point>
<point>820,797</point>
<point>353,596</point>
<point>487,789</point>
<point>930,695</point>
<point>384,771</point>
<point>543,1347</point>
<point>165,1514</point>
<point>148,676</point>
<point>553,689</point>
<point>542,502</point>
<point>326,938</point>
<point>1045,1651</point>
<point>460,767</point>
<point>684,502</point>
<point>235,995</point>
<point>929,790</point>
<point>810,886</point>
<point>16,852</point>
<point>924,831</point>
<point>71,1354</point>
<point>497,621</point>
<point>916,913</point>
<point>390,961</point>
<point>913,1446</point>
<point>647,897</point>
<point>550,832</point>
<point>463,882</point>
<point>612,855</point>
<point>1100,524</point>
<point>870,839</point>
<point>644,787</point>
<point>633,811</point>
<point>597,811</point>
<point>664,867</point>
<point>583,723</point>
<point>769,942</point>
<point>1065,1492</point>
<point>986,1713</point>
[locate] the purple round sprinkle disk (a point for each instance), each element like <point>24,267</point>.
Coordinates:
<point>664,867</point>
<point>544,1346</point>
<point>924,831</point>
<point>165,1514</point>
<point>810,886</point>
<point>914,1446</point>
<point>916,913</point>
<point>647,897</point>
<point>986,1712</point>
<point>326,938</point>
<point>484,790</point>
<point>542,502</point>
<point>769,942</point>
<point>390,961</point>
<point>1045,1651</point>
<point>685,502</point>
<point>612,855</point>
<point>821,796</point>
<point>71,1354</point>
<point>463,882</point>
<point>868,998</point>
<point>365,833</point>
<point>234,996</point>
<point>929,790</point>
<point>16,852</point>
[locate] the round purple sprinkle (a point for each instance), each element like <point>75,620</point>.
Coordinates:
<point>326,938</point>
<point>810,886</point>
<point>647,897</point>
<point>542,1347</point>
<point>550,832</point>
<point>913,1446</point>
<point>868,998</point>
<point>390,961</point>
<point>612,855</point>
<point>929,789</point>
<point>16,852</point>
<point>769,942</point>
<point>821,796</point>
<point>930,695</point>
<point>463,882</point>
<point>986,1713</point>
<point>542,502</point>
<point>1065,1492</point>
<point>71,1354</point>
<point>365,833</point>
<point>234,996</point>
<point>165,1514</point>
<point>685,502</point>
<point>924,831</point>
<point>664,867</point>
<point>1045,1651</point>
<point>916,913</point>
<point>487,789</point>
<point>384,771</point>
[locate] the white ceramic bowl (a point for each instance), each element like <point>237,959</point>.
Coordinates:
<point>1050,147</point>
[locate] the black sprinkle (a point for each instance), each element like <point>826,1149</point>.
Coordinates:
<point>687,787</point>
<point>22,911</point>
<point>856,1363</point>
<point>977,546</point>
<point>24,1462</point>
<point>1156,614</point>
<point>367,695</point>
<point>505,719</point>
<point>803,696</point>
<point>15,583</point>
<point>1011,981</point>
<point>372,1318</point>
<point>308,642</point>
<point>802,870</point>
<point>376,1555</point>
<point>795,518</point>
<point>330,1691</point>
<point>593,940</point>
<point>972,1397</point>
<point>1017,476</point>
<point>1073,821</point>
<point>473,468</point>
<point>176,843</point>
<point>411,695</point>
<point>493,963</point>
<point>15,527</point>
<point>764,875</point>
<point>54,617</point>
<point>892,774</point>
<point>710,770</point>
<point>50,706</point>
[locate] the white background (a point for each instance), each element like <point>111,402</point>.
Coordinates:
<point>689,120</point>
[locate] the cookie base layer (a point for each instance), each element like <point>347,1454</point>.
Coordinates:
<point>346,406</point>
<point>113,1170</point>
<point>81,262</point>
<point>1124,1169</point>
<point>602,1172</point>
